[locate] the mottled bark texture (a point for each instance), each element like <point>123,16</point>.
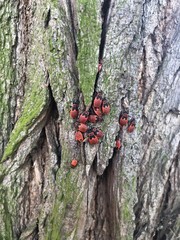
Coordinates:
<point>49,56</point>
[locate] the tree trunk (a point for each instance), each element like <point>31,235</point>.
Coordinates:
<point>49,56</point>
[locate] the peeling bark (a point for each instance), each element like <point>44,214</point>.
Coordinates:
<point>49,56</point>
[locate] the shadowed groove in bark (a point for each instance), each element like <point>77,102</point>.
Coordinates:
<point>22,41</point>
<point>47,19</point>
<point>55,115</point>
<point>36,165</point>
<point>73,27</point>
<point>169,211</point>
<point>31,194</point>
<point>35,234</point>
<point>105,202</point>
<point>104,15</point>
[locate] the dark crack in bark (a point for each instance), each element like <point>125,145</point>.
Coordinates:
<point>104,206</point>
<point>73,25</point>
<point>47,18</point>
<point>36,167</point>
<point>105,15</point>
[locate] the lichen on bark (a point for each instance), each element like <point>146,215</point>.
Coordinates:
<point>7,75</point>
<point>88,41</point>
<point>49,57</point>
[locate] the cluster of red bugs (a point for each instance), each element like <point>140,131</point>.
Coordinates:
<point>85,130</point>
<point>100,107</point>
<point>125,121</point>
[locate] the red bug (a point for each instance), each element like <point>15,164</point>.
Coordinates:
<point>93,118</point>
<point>131,125</point>
<point>82,127</point>
<point>105,107</point>
<point>118,143</point>
<point>74,163</point>
<point>98,132</point>
<point>93,139</point>
<point>74,112</point>
<point>79,136</point>
<point>123,120</point>
<point>83,117</point>
<point>97,111</point>
<point>97,100</point>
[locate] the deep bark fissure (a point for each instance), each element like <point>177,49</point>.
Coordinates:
<point>104,15</point>
<point>36,166</point>
<point>160,234</point>
<point>23,26</point>
<point>168,214</point>
<point>55,115</point>
<point>13,60</point>
<point>106,205</point>
<point>25,12</point>
<point>35,234</point>
<point>43,160</point>
<point>47,18</point>
<point>142,81</point>
<point>73,28</point>
<point>139,227</point>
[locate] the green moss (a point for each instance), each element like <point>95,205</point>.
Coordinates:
<point>88,46</point>
<point>8,222</point>
<point>126,212</point>
<point>36,94</point>
<point>126,207</point>
<point>55,3</point>
<point>127,237</point>
<point>68,199</point>
<point>6,227</point>
<point>7,81</point>
<point>35,100</point>
<point>55,41</point>
<point>129,190</point>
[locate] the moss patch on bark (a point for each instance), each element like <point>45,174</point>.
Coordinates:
<point>35,101</point>
<point>88,46</point>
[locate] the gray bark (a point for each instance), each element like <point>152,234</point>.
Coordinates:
<point>49,56</point>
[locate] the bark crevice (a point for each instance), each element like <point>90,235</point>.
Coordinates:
<point>105,202</point>
<point>105,23</point>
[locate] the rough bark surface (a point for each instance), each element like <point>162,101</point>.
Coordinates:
<point>49,56</point>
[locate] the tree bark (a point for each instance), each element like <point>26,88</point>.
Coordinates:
<point>49,56</point>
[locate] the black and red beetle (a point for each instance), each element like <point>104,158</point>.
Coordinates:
<point>105,107</point>
<point>79,136</point>
<point>123,119</point>
<point>131,125</point>
<point>82,127</point>
<point>92,138</point>
<point>74,110</point>
<point>98,132</point>
<point>97,100</point>
<point>83,117</point>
